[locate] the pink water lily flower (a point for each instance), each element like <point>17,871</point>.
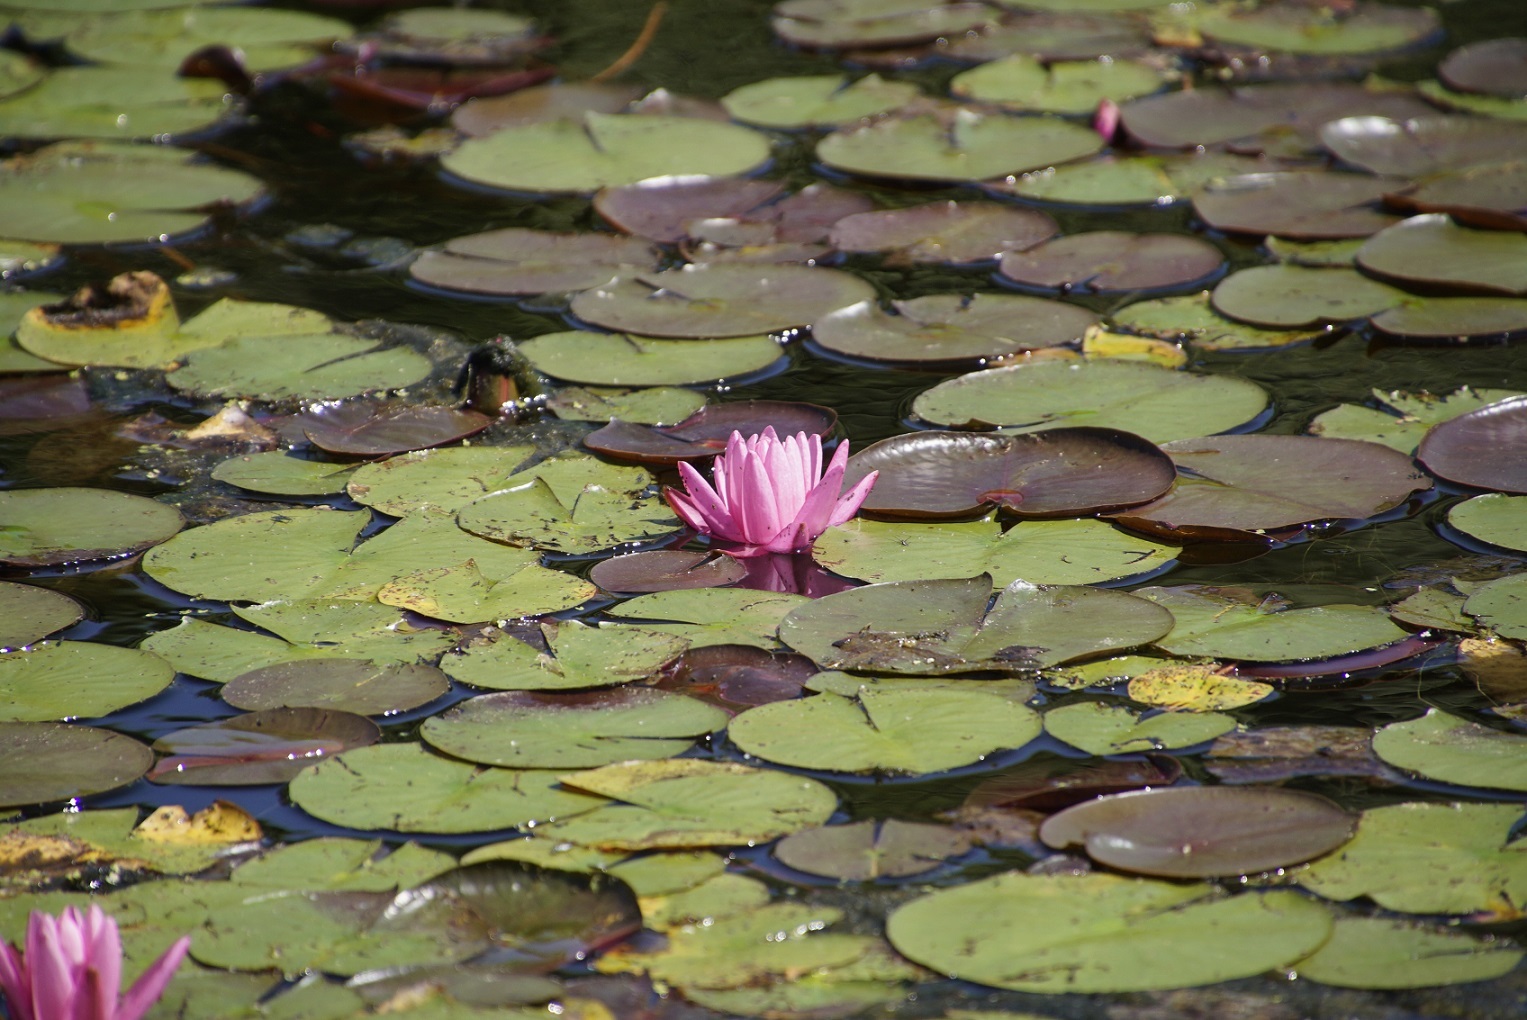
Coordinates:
<point>72,970</point>
<point>770,495</point>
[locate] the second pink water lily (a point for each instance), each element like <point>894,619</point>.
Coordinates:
<point>770,495</point>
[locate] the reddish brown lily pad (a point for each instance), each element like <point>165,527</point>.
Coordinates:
<point>1202,831</point>
<point>1494,67</point>
<point>736,677</point>
<point>705,433</point>
<point>1047,784</point>
<point>519,261</point>
<point>951,330</point>
<point>1301,204</point>
<point>944,232</point>
<point>1482,448</point>
<point>543,103</point>
<point>1423,145</point>
<point>368,430</point>
<point>1493,196</point>
<point>1237,487</point>
<point>270,746</point>
<point>666,570</point>
<point>1104,261</point>
<point>1055,473</point>
<point>662,208</point>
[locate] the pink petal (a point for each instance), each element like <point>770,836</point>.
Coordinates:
<point>150,986</point>
<point>713,517</point>
<point>852,500</point>
<point>52,971</point>
<point>13,982</point>
<point>755,512</point>
<point>103,960</point>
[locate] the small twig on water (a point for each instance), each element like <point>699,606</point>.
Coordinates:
<point>637,48</point>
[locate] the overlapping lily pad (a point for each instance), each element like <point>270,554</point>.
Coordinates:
<point>1157,403</point>
<point>713,616</point>
<point>869,850</point>
<point>1103,729</point>
<point>815,100</point>
<point>943,232</point>
<point>580,656</point>
<point>1104,261</point>
<point>1468,448</point>
<point>1292,297</point>
<point>42,762</point>
<point>1410,416</point>
<point>282,474</point>
<point>1493,518</point>
<point>1375,952</point>
<point>1191,318</point>
<point>933,628</point>
<point>1128,180</point>
<point>347,685</point>
<point>620,359</point>
<point>954,144</point>
<point>1300,204</point>
<point>514,260</point>
<point>1239,487</point>
<point>943,329</point>
<point>705,433</point>
<point>69,525</point>
<point>602,150</point>
<point>1431,249</point>
<point>568,518</point>
<point>268,746</point>
<point>1221,625</point>
<point>77,680</point>
<point>1104,933</point>
<point>1451,750</point>
<point>1422,145</point>
<point>267,39</point>
<point>1489,66</point>
<point>1021,82</point>
<point>30,613</point>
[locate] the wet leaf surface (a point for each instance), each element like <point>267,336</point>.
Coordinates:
<point>68,525</point>
<point>1467,448</point>
<point>30,613</point>
<point>950,329</point>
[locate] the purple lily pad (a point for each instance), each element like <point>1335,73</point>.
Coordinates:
<point>1494,67</point>
<point>1047,784</point>
<point>704,433</point>
<point>481,117</point>
<point>519,261</point>
<point>271,746</point>
<point>872,849</point>
<point>1306,205</point>
<point>1482,448</point>
<point>34,403</point>
<point>1341,667</point>
<point>661,208</point>
<point>1055,473</point>
<point>1202,831</point>
<point>1423,145</point>
<point>952,330</point>
<point>1050,36</point>
<point>1239,487</point>
<point>1492,196</point>
<point>43,762</point>
<point>1103,261</point>
<point>946,233</point>
<point>1182,120</point>
<point>368,430</point>
<point>666,570</point>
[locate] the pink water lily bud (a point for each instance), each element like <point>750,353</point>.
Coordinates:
<point>1106,120</point>
<point>71,969</point>
<point>770,495</point>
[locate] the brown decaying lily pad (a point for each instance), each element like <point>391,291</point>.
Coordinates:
<point>1235,487</point>
<point>1495,67</point>
<point>738,677</point>
<point>1483,448</point>
<point>1271,754</point>
<point>1182,120</point>
<point>270,746</point>
<point>705,433</point>
<point>666,570</point>
<point>1305,205</point>
<point>1048,784</point>
<point>364,429</point>
<point>515,260</point>
<point>1102,261</point>
<point>480,117</point>
<point>1492,196</point>
<point>1202,831</point>
<point>951,330</point>
<point>411,90</point>
<point>1055,473</point>
<point>1423,145</point>
<point>944,232</point>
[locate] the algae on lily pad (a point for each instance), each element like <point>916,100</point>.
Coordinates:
<point>1448,749</point>
<point>1228,625</point>
<point>580,656</point>
<point>30,613</point>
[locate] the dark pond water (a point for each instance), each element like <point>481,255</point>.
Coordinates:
<point>313,242</point>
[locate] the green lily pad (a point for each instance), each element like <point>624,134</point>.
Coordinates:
<point>335,863</point>
<point>603,151</point>
<point>1107,261</point>
<point>1021,82</point>
<point>815,100</point>
<point>869,850</point>
<point>210,652</point>
<point>657,405</point>
<point>145,103</point>
<point>1412,416</point>
<point>1493,518</point>
<point>1103,729</point>
<point>1471,102</point>
<point>30,613</point>
<point>1291,297</point>
<point>67,525</point>
<point>1451,750</point>
<point>618,359</point>
<point>951,328</point>
<point>347,685</point>
<point>713,616</point>
<point>1128,180</point>
<point>581,656</point>
<point>267,39</point>
<point>946,233</point>
<point>834,24</point>
<point>1221,626</point>
<point>1360,28</point>
<point>1081,551</point>
<point>931,628</point>
<point>529,730</point>
<point>1428,858</point>
<point>461,593</point>
<point>1104,933</point>
<point>574,521</point>
<point>113,834</point>
<point>955,144</point>
<point>406,788</point>
<point>42,762</point>
<point>447,479</point>
<point>1240,487</point>
<point>1189,317</point>
<point>281,474</point>
<point>514,260</point>
<point>1379,952</point>
<point>686,802</point>
<point>1159,404</point>
<point>268,746</point>
<point>720,300</point>
<point>911,732</point>
<point>1453,318</point>
<point>1432,249</point>
<point>77,680</point>
<point>320,366</point>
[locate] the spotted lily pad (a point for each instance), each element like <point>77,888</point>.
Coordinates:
<point>1103,729</point>
<point>1219,625</point>
<point>1104,261</point>
<point>42,762</point>
<point>1467,448</point>
<point>1238,487</point>
<point>603,150</point>
<point>940,329</point>
<point>30,613</point>
<point>1157,403</point>
<point>514,260</point>
<point>68,525</point>
<point>622,360</point>
<point>1202,832</point>
<point>581,656</point>
<point>932,628</point>
<point>281,474</point>
<point>530,730</point>
<point>1042,552</point>
<point>77,680</point>
<point>1113,928</point>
